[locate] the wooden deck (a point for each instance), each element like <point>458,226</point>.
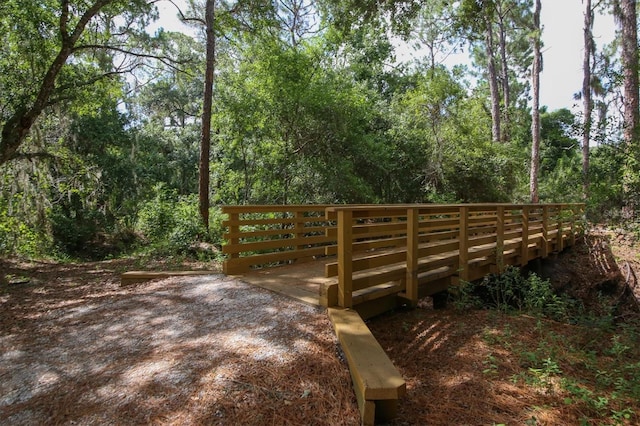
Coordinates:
<point>302,281</point>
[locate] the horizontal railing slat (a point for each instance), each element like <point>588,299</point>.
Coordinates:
<point>276,244</point>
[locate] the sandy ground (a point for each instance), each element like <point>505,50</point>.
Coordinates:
<point>195,350</point>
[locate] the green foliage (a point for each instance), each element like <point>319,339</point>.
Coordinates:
<point>558,131</point>
<point>511,291</point>
<point>293,131</point>
<point>560,158</point>
<point>441,136</point>
<point>301,116</point>
<point>465,297</point>
<point>598,377</point>
<point>606,196</point>
<point>593,365</point>
<point>171,224</point>
<point>17,237</point>
<point>76,228</point>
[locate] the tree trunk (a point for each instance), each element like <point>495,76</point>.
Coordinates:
<point>504,137</point>
<point>535,110</point>
<point>207,103</point>
<point>627,18</point>
<point>493,84</point>
<point>587,101</point>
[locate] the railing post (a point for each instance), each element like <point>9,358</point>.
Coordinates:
<point>463,244</point>
<point>524,249</point>
<point>229,267</point>
<point>345,253</point>
<point>545,231</point>
<point>411,285</point>
<point>500,238</point>
<point>299,228</point>
<point>560,244</point>
<point>572,238</point>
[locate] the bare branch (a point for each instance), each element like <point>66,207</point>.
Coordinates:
<point>170,62</point>
<point>184,18</point>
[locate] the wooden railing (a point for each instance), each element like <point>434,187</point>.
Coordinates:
<point>259,236</point>
<point>397,249</point>
<point>411,250</point>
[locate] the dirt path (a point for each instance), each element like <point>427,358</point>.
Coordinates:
<point>197,350</point>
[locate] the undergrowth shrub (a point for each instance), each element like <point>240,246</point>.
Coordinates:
<point>512,291</point>
<point>77,230</point>
<point>18,237</point>
<point>171,224</point>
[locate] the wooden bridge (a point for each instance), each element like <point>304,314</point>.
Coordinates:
<point>372,258</point>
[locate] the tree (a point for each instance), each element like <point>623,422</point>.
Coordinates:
<point>535,109</point>
<point>205,142</point>
<point>497,31</point>
<point>587,102</point>
<point>496,128</point>
<point>626,15</point>
<point>477,17</point>
<point>434,30</point>
<point>70,46</point>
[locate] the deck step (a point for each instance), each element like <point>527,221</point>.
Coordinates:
<point>376,381</point>
<point>133,277</point>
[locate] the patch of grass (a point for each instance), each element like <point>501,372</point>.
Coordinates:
<point>604,386</point>
<point>589,363</point>
<point>513,292</point>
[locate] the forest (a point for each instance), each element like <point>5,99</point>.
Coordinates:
<point>116,138</point>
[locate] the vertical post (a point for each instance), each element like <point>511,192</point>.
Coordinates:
<point>572,238</point>
<point>463,244</point>
<point>345,252</point>
<point>413,221</point>
<point>299,228</point>
<point>234,228</point>
<point>524,249</point>
<point>500,238</point>
<point>545,231</point>
<point>560,243</point>
<point>229,267</point>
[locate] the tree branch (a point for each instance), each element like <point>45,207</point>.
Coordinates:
<point>183,18</point>
<point>30,156</point>
<point>170,62</point>
<point>64,20</point>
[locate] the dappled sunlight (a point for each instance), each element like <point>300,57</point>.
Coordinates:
<point>202,349</point>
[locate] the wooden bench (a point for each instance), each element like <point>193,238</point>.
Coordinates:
<point>377,383</point>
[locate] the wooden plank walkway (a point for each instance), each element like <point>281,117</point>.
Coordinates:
<point>302,281</point>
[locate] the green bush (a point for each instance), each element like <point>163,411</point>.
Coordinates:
<point>19,238</point>
<point>78,231</point>
<point>172,225</point>
<point>156,217</point>
<point>513,291</point>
